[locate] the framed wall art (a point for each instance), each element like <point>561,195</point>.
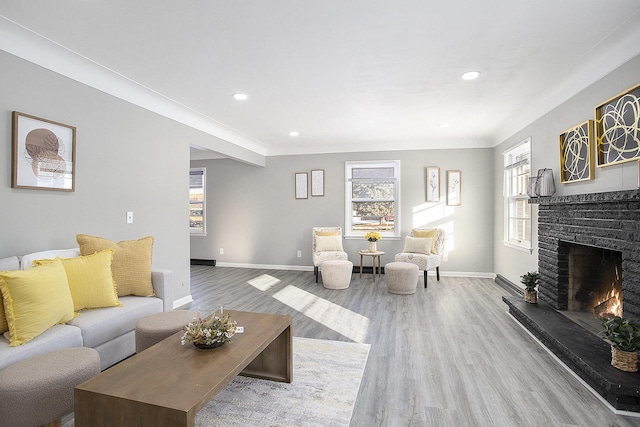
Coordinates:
<point>302,185</point>
<point>317,182</point>
<point>44,154</point>
<point>454,188</point>
<point>617,128</point>
<point>576,153</point>
<point>433,184</point>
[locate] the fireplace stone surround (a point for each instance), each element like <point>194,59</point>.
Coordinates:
<point>606,220</point>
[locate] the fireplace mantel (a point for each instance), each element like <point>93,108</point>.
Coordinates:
<point>607,197</point>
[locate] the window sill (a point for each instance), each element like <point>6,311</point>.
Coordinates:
<point>361,237</point>
<point>521,248</point>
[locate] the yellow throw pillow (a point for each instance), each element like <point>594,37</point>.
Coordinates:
<point>4,326</point>
<point>432,234</point>
<point>327,233</point>
<point>131,265</point>
<point>35,300</point>
<point>90,280</point>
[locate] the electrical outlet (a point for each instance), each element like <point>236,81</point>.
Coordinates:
<point>299,254</point>
<point>221,251</point>
<point>129,217</point>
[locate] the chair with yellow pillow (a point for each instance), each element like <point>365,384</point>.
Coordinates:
<point>424,248</point>
<point>326,245</point>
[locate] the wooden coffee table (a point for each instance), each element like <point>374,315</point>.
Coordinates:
<point>168,383</point>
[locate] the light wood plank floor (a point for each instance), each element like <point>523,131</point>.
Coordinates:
<point>446,356</point>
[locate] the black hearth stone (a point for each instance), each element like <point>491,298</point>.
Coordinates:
<point>586,354</point>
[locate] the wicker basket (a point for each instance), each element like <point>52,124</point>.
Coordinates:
<point>531,296</point>
<point>624,360</point>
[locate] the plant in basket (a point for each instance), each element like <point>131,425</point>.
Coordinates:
<point>624,336</point>
<point>210,332</point>
<point>530,281</point>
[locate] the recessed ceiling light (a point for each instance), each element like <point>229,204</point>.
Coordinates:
<point>443,125</point>
<point>241,96</point>
<point>294,133</point>
<point>470,75</point>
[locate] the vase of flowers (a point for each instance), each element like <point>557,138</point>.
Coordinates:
<point>210,332</point>
<point>372,237</point>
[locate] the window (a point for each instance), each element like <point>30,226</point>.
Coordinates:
<point>197,194</point>
<point>517,210</point>
<point>372,198</point>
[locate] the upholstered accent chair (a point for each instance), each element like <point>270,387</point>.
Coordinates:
<point>326,245</point>
<point>424,248</point>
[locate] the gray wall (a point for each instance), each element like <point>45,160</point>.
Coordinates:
<point>544,134</point>
<point>253,215</point>
<point>128,159</point>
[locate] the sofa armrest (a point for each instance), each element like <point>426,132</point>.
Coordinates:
<point>162,281</point>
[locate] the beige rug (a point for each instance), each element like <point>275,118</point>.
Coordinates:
<point>326,380</point>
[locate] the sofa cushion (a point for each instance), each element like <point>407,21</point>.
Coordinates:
<point>104,324</point>
<point>35,300</point>
<point>54,338</point>
<point>10,263</point>
<point>27,261</point>
<point>131,263</point>
<point>90,280</point>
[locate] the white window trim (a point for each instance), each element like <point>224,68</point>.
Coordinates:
<point>350,234</point>
<point>526,246</point>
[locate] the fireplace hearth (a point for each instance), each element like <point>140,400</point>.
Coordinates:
<point>589,263</point>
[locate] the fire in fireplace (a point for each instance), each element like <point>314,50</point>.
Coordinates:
<point>595,281</point>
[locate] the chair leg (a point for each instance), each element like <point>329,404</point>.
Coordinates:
<point>315,271</point>
<point>438,273</point>
<point>425,279</point>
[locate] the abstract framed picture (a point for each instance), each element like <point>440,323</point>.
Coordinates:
<point>44,154</point>
<point>302,185</point>
<point>617,128</point>
<point>433,184</point>
<point>576,153</point>
<point>454,188</point>
<point>317,182</point>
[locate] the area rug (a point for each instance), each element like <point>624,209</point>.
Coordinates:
<point>326,380</point>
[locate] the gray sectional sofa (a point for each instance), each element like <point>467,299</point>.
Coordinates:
<point>110,331</point>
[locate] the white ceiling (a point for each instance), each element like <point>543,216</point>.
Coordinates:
<point>347,75</point>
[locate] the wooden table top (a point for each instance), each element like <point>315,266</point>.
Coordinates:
<point>185,378</point>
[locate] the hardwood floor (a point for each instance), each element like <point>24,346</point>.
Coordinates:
<point>448,355</point>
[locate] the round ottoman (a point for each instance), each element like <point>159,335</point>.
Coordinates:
<point>401,277</point>
<point>39,390</point>
<point>152,329</point>
<point>336,274</point>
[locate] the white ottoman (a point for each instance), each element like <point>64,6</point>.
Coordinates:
<point>336,274</point>
<point>401,277</point>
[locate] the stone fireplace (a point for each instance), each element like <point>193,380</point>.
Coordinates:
<point>589,263</point>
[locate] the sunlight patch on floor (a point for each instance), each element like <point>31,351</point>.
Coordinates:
<point>352,325</point>
<point>264,282</point>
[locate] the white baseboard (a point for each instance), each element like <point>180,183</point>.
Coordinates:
<point>310,268</point>
<point>182,301</point>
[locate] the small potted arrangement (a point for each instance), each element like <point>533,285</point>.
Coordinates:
<point>530,281</point>
<point>372,237</point>
<point>624,336</point>
<point>210,332</point>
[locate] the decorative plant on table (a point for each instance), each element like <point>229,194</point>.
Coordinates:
<point>210,332</point>
<point>530,281</point>
<point>372,237</point>
<point>624,336</point>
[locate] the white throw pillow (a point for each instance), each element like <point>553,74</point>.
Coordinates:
<point>328,243</point>
<point>417,245</point>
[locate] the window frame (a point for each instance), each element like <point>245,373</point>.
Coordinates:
<point>200,231</point>
<point>511,177</point>
<point>349,233</point>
